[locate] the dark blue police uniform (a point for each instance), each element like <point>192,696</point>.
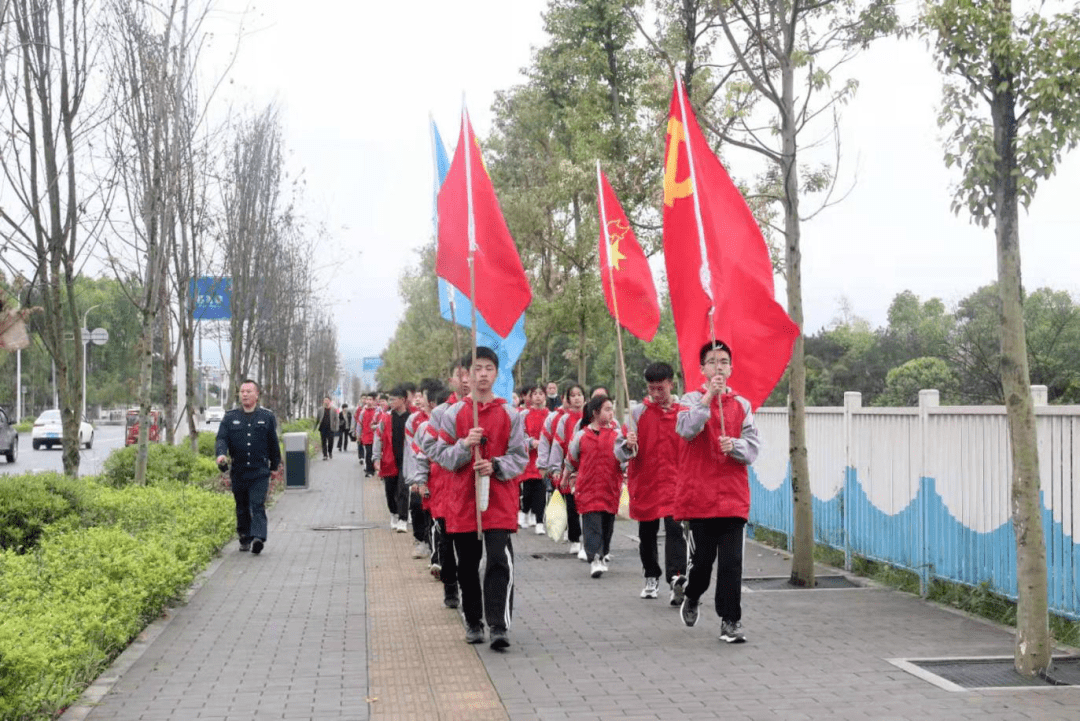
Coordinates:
<point>251,440</point>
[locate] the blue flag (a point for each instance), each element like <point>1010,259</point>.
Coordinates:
<point>460,311</point>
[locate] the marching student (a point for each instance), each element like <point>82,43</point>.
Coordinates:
<point>388,452</point>
<point>499,439</point>
<point>411,470</point>
<point>713,490</point>
<point>443,562</point>
<point>594,475</point>
<point>365,432</point>
<point>533,494</point>
<point>563,432</point>
<point>651,476</point>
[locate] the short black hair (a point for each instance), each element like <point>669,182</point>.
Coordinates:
<point>528,390</point>
<point>659,371</point>
<point>398,391</point>
<point>482,351</point>
<point>258,388</point>
<point>592,408</point>
<point>572,386</point>
<point>430,387</point>
<point>441,396</point>
<point>600,387</point>
<point>714,345</point>
<point>408,386</point>
<point>465,361</point>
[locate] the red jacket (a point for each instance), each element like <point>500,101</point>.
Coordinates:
<point>365,418</point>
<point>428,438</point>
<point>713,484</point>
<point>592,454</point>
<point>387,462</point>
<point>534,425</point>
<point>505,444</point>
<point>652,473</point>
<point>565,426</point>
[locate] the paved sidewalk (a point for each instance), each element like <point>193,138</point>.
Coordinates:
<point>346,625</point>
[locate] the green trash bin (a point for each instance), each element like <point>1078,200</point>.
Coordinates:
<point>296,460</point>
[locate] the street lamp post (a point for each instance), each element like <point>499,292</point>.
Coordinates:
<point>86,350</point>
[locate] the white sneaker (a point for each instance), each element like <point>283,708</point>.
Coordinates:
<point>575,548</point>
<point>606,559</point>
<point>596,569</point>
<point>540,529</point>
<point>393,521</point>
<point>420,550</point>
<point>582,555</point>
<point>521,519</point>
<point>402,526</point>
<point>530,519</point>
<point>652,588</point>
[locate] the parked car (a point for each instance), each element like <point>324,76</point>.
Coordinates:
<point>49,431</point>
<point>215,414</point>
<point>9,438</point>
<point>131,437</point>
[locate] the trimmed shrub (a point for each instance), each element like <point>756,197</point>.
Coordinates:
<point>206,444</point>
<point>164,463</point>
<point>32,501</point>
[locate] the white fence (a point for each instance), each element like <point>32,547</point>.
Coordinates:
<point>927,488</point>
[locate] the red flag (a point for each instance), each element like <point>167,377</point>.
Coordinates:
<point>632,302</point>
<point>502,290</point>
<point>716,258</point>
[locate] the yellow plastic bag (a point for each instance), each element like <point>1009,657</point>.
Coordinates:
<point>624,503</point>
<point>555,517</point>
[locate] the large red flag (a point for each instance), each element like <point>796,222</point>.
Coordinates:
<point>467,197</point>
<point>716,259</point>
<point>624,270</point>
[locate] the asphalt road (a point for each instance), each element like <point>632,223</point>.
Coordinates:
<point>106,439</point>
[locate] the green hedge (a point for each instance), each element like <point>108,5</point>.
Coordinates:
<point>97,577</point>
<point>164,463</point>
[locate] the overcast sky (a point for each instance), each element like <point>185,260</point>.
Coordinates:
<point>356,81</point>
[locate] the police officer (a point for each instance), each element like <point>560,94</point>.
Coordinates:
<point>249,435</point>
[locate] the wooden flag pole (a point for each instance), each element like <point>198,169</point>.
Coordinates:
<point>706,272</point>
<point>605,258</point>
<point>478,483</point>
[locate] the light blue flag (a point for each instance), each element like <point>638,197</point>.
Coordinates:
<point>509,348</point>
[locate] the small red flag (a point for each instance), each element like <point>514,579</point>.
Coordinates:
<point>632,302</point>
<point>716,258</point>
<point>502,290</point>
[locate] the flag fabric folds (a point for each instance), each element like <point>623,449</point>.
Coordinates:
<point>717,262</point>
<point>456,308</point>
<point>470,221</point>
<point>624,270</point>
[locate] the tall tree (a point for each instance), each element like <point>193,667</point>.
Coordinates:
<point>1011,106</point>
<point>49,54</point>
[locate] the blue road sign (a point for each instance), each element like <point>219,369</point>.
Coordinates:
<point>211,298</point>
<point>372,363</point>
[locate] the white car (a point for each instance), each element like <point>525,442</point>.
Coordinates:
<point>215,414</point>
<point>48,431</point>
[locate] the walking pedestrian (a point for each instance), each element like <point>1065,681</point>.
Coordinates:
<point>564,431</point>
<point>713,490</point>
<point>328,426</point>
<point>345,426</point>
<point>533,493</point>
<point>388,451</point>
<point>248,435</point>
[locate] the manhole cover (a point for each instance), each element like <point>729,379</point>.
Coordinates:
<point>781,583</point>
<point>344,527</point>
<point>966,674</point>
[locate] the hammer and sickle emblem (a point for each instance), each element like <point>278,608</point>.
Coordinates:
<point>675,189</point>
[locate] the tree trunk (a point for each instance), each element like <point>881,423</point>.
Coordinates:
<point>802,562</point>
<point>1033,647</point>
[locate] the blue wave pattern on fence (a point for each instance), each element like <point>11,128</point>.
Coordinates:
<point>951,551</point>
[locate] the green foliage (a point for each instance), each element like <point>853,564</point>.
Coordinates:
<point>206,442</point>
<point>91,585</point>
<point>30,502</point>
<point>25,426</point>
<point>164,463</point>
<point>300,425</point>
<point>903,383</point>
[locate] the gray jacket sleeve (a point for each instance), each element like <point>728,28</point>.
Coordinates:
<point>376,444</point>
<point>555,457</point>
<point>573,453</point>
<point>451,453</point>
<point>622,452</point>
<point>513,463</point>
<point>749,443</point>
<point>543,451</point>
<point>693,417</point>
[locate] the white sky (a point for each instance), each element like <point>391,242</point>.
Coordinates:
<point>356,81</point>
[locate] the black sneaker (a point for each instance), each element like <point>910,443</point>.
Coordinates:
<point>689,612</point>
<point>731,632</point>
<point>678,589</point>
<point>451,598</point>
<point>475,634</point>
<point>245,546</point>
<point>499,638</point>
<point>257,546</point>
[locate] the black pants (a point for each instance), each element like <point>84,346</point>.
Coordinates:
<point>674,548</point>
<point>533,497</point>
<point>421,519</point>
<point>573,520</point>
<point>442,552</point>
<point>720,540</point>
<point>390,484</point>
<point>402,498</point>
<point>369,464</point>
<point>327,438</point>
<point>343,440</point>
<point>496,601</point>
<point>599,527</point>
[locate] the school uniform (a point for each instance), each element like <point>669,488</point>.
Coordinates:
<point>365,423</point>
<point>595,457</point>
<point>387,451</point>
<point>505,445</point>
<point>411,467</point>
<point>713,495</point>
<point>533,493</point>
<point>443,561</point>
<point>651,478</point>
<point>564,432</point>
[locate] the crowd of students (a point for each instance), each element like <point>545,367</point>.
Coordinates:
<point>684,462</point>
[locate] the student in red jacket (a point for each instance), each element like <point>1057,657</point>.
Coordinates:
<point>651,476</point>
<point>388,453</point>
<point>713,490</point>
<point>594,475</point>
<point>533,493</point>
<point>500,439</point>
<point>563,432</point>
<point>366,418</point>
